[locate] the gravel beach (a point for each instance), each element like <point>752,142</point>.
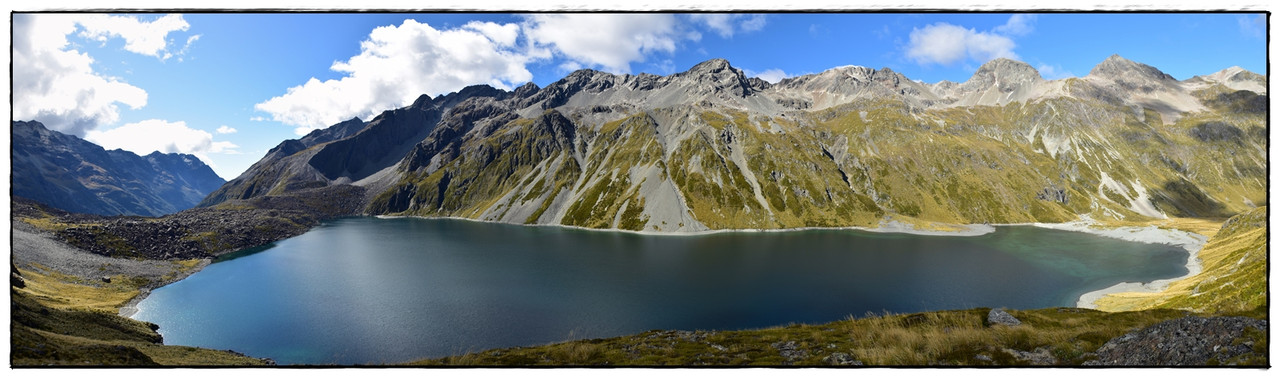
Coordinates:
<point>37,250</point>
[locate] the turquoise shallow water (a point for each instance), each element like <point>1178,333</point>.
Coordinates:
<point>372,291</point>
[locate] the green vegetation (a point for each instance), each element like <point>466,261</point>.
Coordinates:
<point>1061,336</point>
<point>1234,275</point>
<point>60,320</point>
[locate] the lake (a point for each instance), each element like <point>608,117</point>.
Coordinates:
<point>375,291</point>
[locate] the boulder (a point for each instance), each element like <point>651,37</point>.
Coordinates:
<point>841,359</point>
<point>998,316</point>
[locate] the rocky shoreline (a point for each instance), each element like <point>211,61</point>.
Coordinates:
<point>198,233</point>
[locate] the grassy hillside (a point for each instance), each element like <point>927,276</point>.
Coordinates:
<point>1055,336</point>
<point>852,165</point>
<point>61,320</point>
<point>1234,275</point>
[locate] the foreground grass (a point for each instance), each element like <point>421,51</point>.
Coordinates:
<point>61,291</point>
<point>1055,336</point>
<point>1234,275</point>
<point>62,320</point>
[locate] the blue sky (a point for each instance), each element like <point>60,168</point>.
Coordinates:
<point>228,87</point>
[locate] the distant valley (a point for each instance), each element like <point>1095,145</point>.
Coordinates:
<point>76,175</point>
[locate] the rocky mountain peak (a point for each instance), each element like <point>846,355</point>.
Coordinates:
<point>526,90</point>
<point>1005,74</point>
<point>1235,77</point>
<point>1235,73</point>
<point>718,75</point>
<point>422,102</point>
<point>711,66</point>
<point>1116,67</point>
<point>1008,68</point>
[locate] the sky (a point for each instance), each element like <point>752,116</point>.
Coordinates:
<point>227,87</point>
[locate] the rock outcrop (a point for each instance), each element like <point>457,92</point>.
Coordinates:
<point>1000,317</point>
<point>1190,341</point>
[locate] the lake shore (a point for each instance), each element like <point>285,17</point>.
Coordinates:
<point>131,307</point>
<point>891,226</point>
<point>1190,242</point>
<point>1148,234</point>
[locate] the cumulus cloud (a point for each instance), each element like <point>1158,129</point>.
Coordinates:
<point>142,37</point>
<point>397,64</point>
<point>609,41</point>
<point>727,24</point>
<point>502,34</point>
<point>57,85</point>
<point>946,44</point>
<point>1018,25</point>
<point>153,135</point>
<point>773,75</point>
<point>224,129</point>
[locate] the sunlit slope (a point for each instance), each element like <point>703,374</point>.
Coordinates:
<point>690,167</point>
<point>710,148</point>
<point>1234,276</point>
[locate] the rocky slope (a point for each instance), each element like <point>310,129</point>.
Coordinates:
<point>710,148</point>
<point>195,233</point>
<point>75,175</point>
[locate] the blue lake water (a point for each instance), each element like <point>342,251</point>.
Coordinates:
<point>374,291</point>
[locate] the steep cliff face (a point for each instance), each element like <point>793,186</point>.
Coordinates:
<point>70,173</point>
<point>711,149</point>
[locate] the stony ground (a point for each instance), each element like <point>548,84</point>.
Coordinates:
<point>194,233</point>
<point>38,250</point>
<point>1188,341</point>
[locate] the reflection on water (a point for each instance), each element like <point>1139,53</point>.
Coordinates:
<point>368,290</point>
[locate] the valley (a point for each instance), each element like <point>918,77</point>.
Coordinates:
<point>710,149</point>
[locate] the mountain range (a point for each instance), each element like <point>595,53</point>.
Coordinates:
<point>76,175</point>
<point>711,148</point>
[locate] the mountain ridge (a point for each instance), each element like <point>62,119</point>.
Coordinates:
<point>709,148</point>
<point>73,174</point>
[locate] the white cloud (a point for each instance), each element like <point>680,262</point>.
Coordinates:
<point>397,64</point>
<point>724,24</point>
<point>773,75</point>
<point>224,129</point>
<point>1253,26</point>
<point>187,46</point>
<point>1018,25</point>
<point>153,135</point>
<point>58,86</point>
<point>142,37</point>
<point>753,22</point>
<point>1053,72</point>
<point>504,35</point>
<point>946,44</point>
<point>609,41</point>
